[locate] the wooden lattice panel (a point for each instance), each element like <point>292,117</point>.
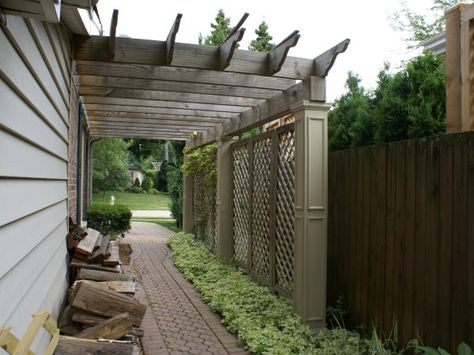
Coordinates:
<point>285,240</point>
<point>241,162</point>
<point>261,179</point>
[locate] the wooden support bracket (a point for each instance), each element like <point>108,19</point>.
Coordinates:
<point>277,55</point>
<point>226,49</point>
<point>170,40</point>
<point>112,36</point>
<point>51,10</point>
<point>324,62</point>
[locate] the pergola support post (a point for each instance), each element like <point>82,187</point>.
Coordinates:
<point>224,200</point>
<point>309,296</point>
<point>188,191</point>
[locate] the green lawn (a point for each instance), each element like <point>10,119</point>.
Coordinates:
<point>169,223</point>
<point>135,201</point>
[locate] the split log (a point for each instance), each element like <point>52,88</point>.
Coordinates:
<point>97,275</point>
<point>77,346</point>
<point>96,299</point>
<point>78,264</point>
<point>66,324</point>
<point>125,252</point>
<point>88,244</point>
<point>113,328</point>
<point>102,252</point>
<point>87,319</point>
<point>121,286</point>
<point>114,258</point>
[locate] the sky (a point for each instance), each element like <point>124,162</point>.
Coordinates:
<point>322,24</point>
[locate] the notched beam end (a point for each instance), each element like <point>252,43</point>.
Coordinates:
<point>171,39</point>
<point>324,62</point>
<point>226,49</point>
<point>113,31</point>
<point>277,56</point>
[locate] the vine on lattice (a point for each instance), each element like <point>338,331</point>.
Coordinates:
<point>201,164</point>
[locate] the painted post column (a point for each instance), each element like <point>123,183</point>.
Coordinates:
<point>188,218</point>
<point>224,200</point>
<point>309,296</point>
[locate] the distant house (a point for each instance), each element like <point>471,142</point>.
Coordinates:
<point>135,173</point>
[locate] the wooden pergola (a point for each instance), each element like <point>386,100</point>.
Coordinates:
<point>167,90</point>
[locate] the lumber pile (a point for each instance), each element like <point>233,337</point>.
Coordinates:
<point>102,317</point>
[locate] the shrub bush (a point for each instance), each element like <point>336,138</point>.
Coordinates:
<point>109,219</point>
<point>147,183</point>
<point>135,189</point>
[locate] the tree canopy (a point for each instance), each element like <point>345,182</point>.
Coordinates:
<point>110,164</point>
<point>220,30</point>
<point>263,41</point>
<point>407,104</point>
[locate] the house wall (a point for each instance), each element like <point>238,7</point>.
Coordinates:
<point>34,122</point>
<point>72,167</point>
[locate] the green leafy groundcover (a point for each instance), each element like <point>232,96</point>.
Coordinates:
<point>263,322</point>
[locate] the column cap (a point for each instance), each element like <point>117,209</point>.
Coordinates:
<point>309,106</point>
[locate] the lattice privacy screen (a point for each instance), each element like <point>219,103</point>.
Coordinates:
<point>263,192</point>
<point>204,211</point>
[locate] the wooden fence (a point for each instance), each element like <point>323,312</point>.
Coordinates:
<point>263,209</point>
<point>401,237</point>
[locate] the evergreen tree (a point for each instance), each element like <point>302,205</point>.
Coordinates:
<point>220,31</point>
<point>263,41</point>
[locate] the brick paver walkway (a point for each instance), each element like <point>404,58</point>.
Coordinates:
<point>177,321</point>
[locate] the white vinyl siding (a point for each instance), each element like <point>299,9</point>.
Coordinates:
<point>34,115</point>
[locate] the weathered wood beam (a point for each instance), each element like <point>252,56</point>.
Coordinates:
<point>131,121</point>
<point>145,128</point>
<point>92,108</point>
<point>112,35</point>
<point>169,96</point>
<point>139,51</point>
<point>149,116</point>
<point>178,87</point>
<point>264,112</point>
<point>139,136</point>
<point>51,10</point>
<point>162,104</point>
<point>277,56</point>
<point>226,49</point>
<point>139,71</point>
<point>171,39</point>
<point>324,62</point>
<point>152,134</point>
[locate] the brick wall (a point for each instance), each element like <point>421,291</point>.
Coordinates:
<point>72,168</point>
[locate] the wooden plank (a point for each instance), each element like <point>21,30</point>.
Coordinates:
<point>365,239</point>
<point>113,328</point>
<point>94,109</point>
<point>97,275</point>
<point>168,96</point>
<point>420,233</point>
<point>51,10</point>
<point>150,116</point>
<point>277,56</point>
<point>113,30</point>
<point>171,40</point>
<point>459,247</point>
<point>86,318</point>
<point>135,121</point>
<point>390,267</point>
<point>78,264</point>
<point>431,243</point>
<point>405,326</point>
<point>190,75</point>
<point>87,244</point>
<point>101,253</point>
<point>162,104</point>
<point>140,136</point>
<point>9,342</point>
<point>25,343</point>
<point>467,84</point>
<point>136,127</point>
<point>372,319</point>
<point>227,49</point>
<point>175,87</point>
<point>76,346</point>
<point>470,244</point>
<point>359,257</point>
<point>97,300</point>
<point>324,62</point>
<point>138,51</point>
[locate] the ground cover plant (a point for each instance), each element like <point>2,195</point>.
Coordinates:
<point>263,322</point>
<point>134,201</point>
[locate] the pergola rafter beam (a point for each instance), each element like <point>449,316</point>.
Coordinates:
<point>112,36</point>
<point>324,62</point>
<point>190,75</point>
<point>154,110</point>
<point>171,39</point>
<point>277,56</point>
<point>162,104</point>
<point>140,51</point>
<point>102,134</point>
<point>112,126</point>
<point>177,87</point>
<point>168,96</point>
<point>226,49</point>
<point>156,116</point>
<point>132,121</point>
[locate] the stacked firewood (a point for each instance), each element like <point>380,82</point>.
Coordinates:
<point>102,316</point>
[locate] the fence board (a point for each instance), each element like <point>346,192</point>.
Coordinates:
<point>400,240</point>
